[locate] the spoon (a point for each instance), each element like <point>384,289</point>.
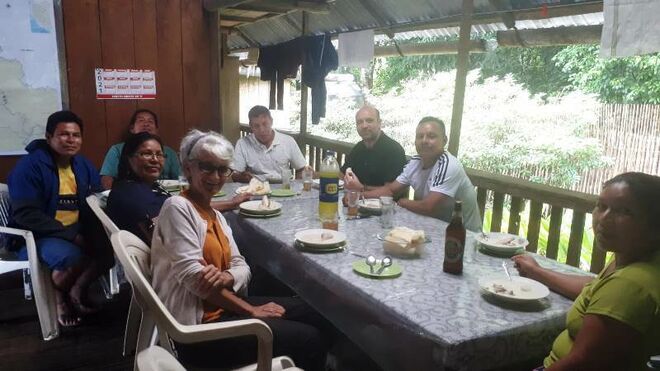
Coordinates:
<point>506,270</point>
<point>386,262</point>
<point>371,261</point>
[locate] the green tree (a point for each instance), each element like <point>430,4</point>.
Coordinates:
<point>617,80</point>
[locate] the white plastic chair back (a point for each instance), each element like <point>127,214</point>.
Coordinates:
<point>134,255</point>
<point>156,358</point>
<point>109,226</point>
<point>42,285</point>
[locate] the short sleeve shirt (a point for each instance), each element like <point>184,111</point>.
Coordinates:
<point>110,166</point>
<point>378,165</point>
<point>631,295</point>
<point>250,155</point>
<point>447,177</point>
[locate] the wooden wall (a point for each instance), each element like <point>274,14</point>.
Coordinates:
<point>176,38</point>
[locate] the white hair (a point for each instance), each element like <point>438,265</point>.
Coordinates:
<point>197,141</point>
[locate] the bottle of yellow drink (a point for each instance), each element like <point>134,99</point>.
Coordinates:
<point>328,186</point>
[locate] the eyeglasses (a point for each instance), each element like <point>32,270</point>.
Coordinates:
<point>207,168</point>
<point>151,155</point>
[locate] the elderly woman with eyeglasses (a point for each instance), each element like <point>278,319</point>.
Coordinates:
<point>200,275</point>
<point>614,323</point>
<point>136,196</point>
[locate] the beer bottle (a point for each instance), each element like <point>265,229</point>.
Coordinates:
<point>455,242</point>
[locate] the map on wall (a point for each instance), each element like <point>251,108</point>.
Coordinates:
<point>29,72</point>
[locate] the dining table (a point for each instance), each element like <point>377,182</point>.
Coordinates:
<point>424,319</point>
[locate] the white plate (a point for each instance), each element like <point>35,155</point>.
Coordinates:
<point>519,289</point>
<point>312,237</point>
<point>317,182</point>
<point>501,242</point>
<point>254,207</point>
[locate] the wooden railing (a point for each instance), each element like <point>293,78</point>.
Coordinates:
<point>493,190</point>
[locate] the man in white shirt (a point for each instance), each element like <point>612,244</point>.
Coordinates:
<point>265,152</point>
<point>435,175</point>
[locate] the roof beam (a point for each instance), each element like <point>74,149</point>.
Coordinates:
<point>213,5</point>
<point>284,6</point>
<point>439,47</point>
<point>234,18</point>
<point>550,36</point>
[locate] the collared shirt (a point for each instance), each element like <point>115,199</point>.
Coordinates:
<point>447,177</point>
<point>250,155</point>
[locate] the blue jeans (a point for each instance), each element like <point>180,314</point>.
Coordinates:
<point>56,253</point>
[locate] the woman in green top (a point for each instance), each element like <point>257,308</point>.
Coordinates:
<point>614,323</point>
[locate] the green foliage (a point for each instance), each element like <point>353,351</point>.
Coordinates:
<point>615,80</point>
<point>390,72</point>
<point>531,67</point>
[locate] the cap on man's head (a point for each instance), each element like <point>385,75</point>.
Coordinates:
<point>62,117</point>
<point>257,111</point>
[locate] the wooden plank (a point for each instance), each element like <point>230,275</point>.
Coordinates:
<point>462,61</point>
<point>482,197</point>
<point>213,40</point>
<point>533,191</point>
<point>83,46</point>
<point>117,38</point>
<point>554,233</point>
<point>318,157</point>
<point>146,44</point>
<point>430,48</point>
<point>498,207</point>
<point>196,66</point>
<point>169,80</point>
<point>575,240</point>
<point>534,225</point>
<point>598,257</point>
<point>514,215</point>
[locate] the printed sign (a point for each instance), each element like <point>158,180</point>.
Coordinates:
<point>125,84</point>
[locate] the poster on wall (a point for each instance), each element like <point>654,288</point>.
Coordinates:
<point>114,83</point>
<point>30,87</point>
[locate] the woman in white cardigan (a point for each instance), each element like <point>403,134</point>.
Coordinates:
<point>201,277</point>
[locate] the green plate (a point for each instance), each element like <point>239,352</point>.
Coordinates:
<point>282,192</point>
<point>361,268</point>
<point>220,194</point>
<point>250,215</point>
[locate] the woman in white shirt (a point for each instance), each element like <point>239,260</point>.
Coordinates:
<point>201,277</point>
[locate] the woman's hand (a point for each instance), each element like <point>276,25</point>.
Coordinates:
<point>212,278</point>
<point>240,198</point>
<point>270,310</point>
<point>526,265</point>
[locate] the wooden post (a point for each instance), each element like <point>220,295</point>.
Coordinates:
<point>462,62</point>
<point>303,94</point>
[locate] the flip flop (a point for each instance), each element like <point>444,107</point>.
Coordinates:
<point>67,317</point>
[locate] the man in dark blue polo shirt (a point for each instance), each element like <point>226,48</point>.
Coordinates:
<point>377,159</point>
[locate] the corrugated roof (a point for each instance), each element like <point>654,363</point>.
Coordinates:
<point>351,15</point>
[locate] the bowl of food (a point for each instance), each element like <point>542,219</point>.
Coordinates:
<point>404,242</point>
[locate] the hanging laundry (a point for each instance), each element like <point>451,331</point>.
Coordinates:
<point>277,63</point>
<point>356,49</point>
<point>320,57</point>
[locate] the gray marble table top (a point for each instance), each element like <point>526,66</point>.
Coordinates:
<point>456,325</point>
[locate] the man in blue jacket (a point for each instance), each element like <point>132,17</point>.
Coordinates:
<point>48,187</point>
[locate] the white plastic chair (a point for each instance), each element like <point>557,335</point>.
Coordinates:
<point>134,255</point>
<point>156,358</point>
<point>133,318</point>
<point>42,285</point>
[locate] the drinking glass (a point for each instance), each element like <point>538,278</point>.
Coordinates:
<point>307,175</point>
<point>352,199</point>
<point>387,212</point>
<point>286,178</point>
